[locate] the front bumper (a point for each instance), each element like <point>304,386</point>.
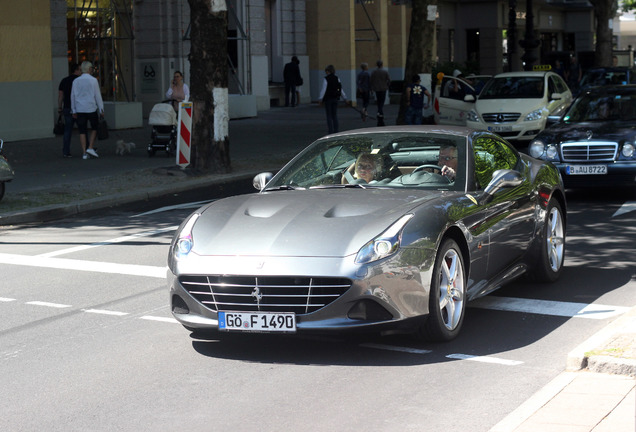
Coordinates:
<point>518,131</point>
<point>380,297</point>
<point>622,173</point>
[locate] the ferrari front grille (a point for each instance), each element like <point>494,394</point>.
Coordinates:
<point>589,151</point>
<point>501,117</point>
<point>301,295</point>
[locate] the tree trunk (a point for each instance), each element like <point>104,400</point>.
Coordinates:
<point>604,11</point>
<point>419,54</point>
<point>210,146</point>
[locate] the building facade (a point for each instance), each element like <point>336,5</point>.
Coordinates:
<point>137,45</point>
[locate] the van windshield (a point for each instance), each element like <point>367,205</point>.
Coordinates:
<point>514,88</point>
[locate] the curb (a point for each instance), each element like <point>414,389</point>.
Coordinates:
<point>584,357</point>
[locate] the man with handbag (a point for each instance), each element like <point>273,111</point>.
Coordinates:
<point>64,107</point>
<point>87,105</point>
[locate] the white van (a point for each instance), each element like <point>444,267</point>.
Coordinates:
<point>516,105</point>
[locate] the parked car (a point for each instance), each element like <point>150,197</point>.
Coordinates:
<point>450,108</point>
<point>592,144</point>
<point>516,105</point>
<point>362,231</point>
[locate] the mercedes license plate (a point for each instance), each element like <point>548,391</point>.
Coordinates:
<point>586,169</point>
<point>500,128</point>
<point>257,321</point>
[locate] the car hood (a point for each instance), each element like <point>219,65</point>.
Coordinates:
<point>319,223</point>
<point>509,105</point>
<point>615,131</point>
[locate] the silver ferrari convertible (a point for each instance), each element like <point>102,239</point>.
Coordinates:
<point>388,229</point>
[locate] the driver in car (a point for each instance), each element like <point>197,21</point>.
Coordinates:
<point>366,167</point>
<point>448,161</point>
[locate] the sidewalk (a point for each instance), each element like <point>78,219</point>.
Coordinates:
<point>595,393</point>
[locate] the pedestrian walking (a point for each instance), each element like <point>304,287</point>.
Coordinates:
<point>363,88</point>
<point>291,75</point>
<point>87,106</point>
<point>415,93</point>
<point>64,107</point>
<point>330,94</point>
<point>380,82</point>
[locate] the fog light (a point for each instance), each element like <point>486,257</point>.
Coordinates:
<point>179,306</point>
<point>368,310</point>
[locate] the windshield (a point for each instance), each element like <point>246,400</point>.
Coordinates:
<point>602,107</point>
<point>379,159</point>
<point>518,87</point>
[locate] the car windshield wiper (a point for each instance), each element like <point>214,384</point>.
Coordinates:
<point>284,187</point>
<point>347,185</point>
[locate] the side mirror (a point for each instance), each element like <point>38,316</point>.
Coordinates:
<point>502,179</point>
<point>469,98</point>
<point>261,180</point>
<point>555,96</point>
<point>552,120</point>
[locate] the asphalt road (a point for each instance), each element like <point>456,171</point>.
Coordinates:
<point>87,341</point>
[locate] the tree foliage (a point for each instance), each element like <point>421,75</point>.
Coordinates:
<point>208,86</point>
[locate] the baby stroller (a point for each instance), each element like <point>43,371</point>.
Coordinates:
<point>163,120</point>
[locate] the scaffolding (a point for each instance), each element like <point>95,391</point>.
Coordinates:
<point>102,32</point>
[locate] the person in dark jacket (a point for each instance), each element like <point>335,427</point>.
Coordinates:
<point>330,94</point>
<point>64,107</point>
<point>291,75</point>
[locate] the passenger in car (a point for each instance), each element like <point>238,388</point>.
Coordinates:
<point>366,167</point>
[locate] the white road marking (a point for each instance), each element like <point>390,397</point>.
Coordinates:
<point>162,319</point>
<point>546,307</point>
<point>396,348</point>
<point>105,312</point>
<point>484,359</point>
<point>4,299</point>
<point>108,242</point>
<point>47,304</point>
<point>626,208</point>
<point>81,265</point>
<point>194,205</point>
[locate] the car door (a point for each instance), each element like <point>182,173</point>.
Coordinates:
<point>448,110</point>
<point>510,215</point>
<point>557,85</point>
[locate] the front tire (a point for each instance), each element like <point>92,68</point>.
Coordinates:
<point>447,298</point>
<point>552,245</point>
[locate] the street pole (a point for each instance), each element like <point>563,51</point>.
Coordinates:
<point>530,43</point>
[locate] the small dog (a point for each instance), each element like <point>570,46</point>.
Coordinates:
<point>124,147</point>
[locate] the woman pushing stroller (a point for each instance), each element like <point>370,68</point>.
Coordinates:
<point>178,91</point>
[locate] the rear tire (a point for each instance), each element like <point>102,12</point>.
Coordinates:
<point>552,245</point>
<point>447,298</point>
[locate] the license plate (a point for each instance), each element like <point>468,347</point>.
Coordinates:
<point>257,321</point>
<point>500,128</point>
<point>586,169</point>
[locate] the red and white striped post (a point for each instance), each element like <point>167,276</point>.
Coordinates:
<point>185,133</point>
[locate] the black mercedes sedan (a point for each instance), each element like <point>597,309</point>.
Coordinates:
<point>592,144</point>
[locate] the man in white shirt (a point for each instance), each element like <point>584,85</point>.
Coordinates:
<point>86,105</point>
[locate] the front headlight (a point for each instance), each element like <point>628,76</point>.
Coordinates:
<point>184,242</point>
<point>536,149</point>
<point>385,244</point>
<point>534,115</point>
<point>628,150</point>
<point>551,152</point>
<point>472,116</point>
